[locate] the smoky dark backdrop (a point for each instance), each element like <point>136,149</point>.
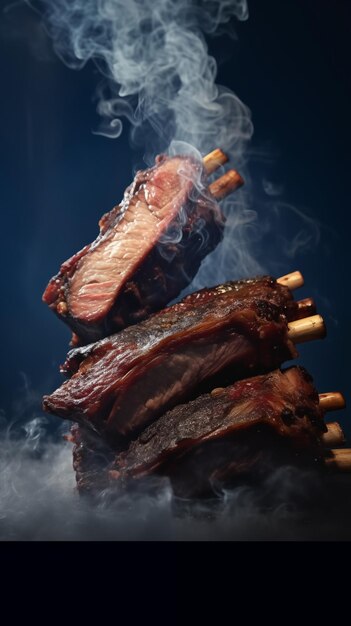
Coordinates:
<point>290,65</point>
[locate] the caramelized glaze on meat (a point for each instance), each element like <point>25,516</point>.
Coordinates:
<point>123,382</point>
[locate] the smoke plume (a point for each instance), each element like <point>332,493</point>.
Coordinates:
<point>158,72</point>
<point>158,79</point>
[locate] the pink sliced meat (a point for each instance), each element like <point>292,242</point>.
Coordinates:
<point>149,248</point>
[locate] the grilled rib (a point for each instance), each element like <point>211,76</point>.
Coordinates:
<point>123,382</point>
<point>149,248</point>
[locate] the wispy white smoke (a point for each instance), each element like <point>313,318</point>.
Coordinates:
<point>159,73</point>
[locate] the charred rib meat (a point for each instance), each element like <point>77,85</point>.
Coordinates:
<point>217,436</point>
<point>225,434</point>
<point>149,248</point>
<point>123,382</point>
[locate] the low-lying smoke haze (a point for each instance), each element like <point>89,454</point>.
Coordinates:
<point>38,501</point>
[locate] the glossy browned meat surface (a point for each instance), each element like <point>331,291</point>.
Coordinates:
<point>234,432</point>
<point>286,402</point>
<point>123,382</point>
<point>149,248</point>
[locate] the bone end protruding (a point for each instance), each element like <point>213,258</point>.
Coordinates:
<point>307,329</point>
<point>226,184</point>
<point>339,459</point>
<point>306,308</point>
<point>334,435</point>
<point>214,160</point>
<point>332,401</point>
<point>294,280</point>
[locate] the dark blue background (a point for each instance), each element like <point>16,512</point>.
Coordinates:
<point>291,66</point>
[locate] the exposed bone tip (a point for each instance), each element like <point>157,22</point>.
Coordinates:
<point>339,459</point>
<point>294,280</point>
<point>332,401</point>
<point>226,184</point>
<point>306,308</point>
<point>214,160</point>
<point>307,329</point>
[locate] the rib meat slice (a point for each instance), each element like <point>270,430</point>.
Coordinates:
<point>149,248</point>
<point>215,437</point>
<point>122,382</point>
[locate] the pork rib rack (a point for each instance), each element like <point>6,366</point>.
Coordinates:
<point>122,382</point>
<point>213,438</point>
<point>149,248</point>
<point>228,433</point>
